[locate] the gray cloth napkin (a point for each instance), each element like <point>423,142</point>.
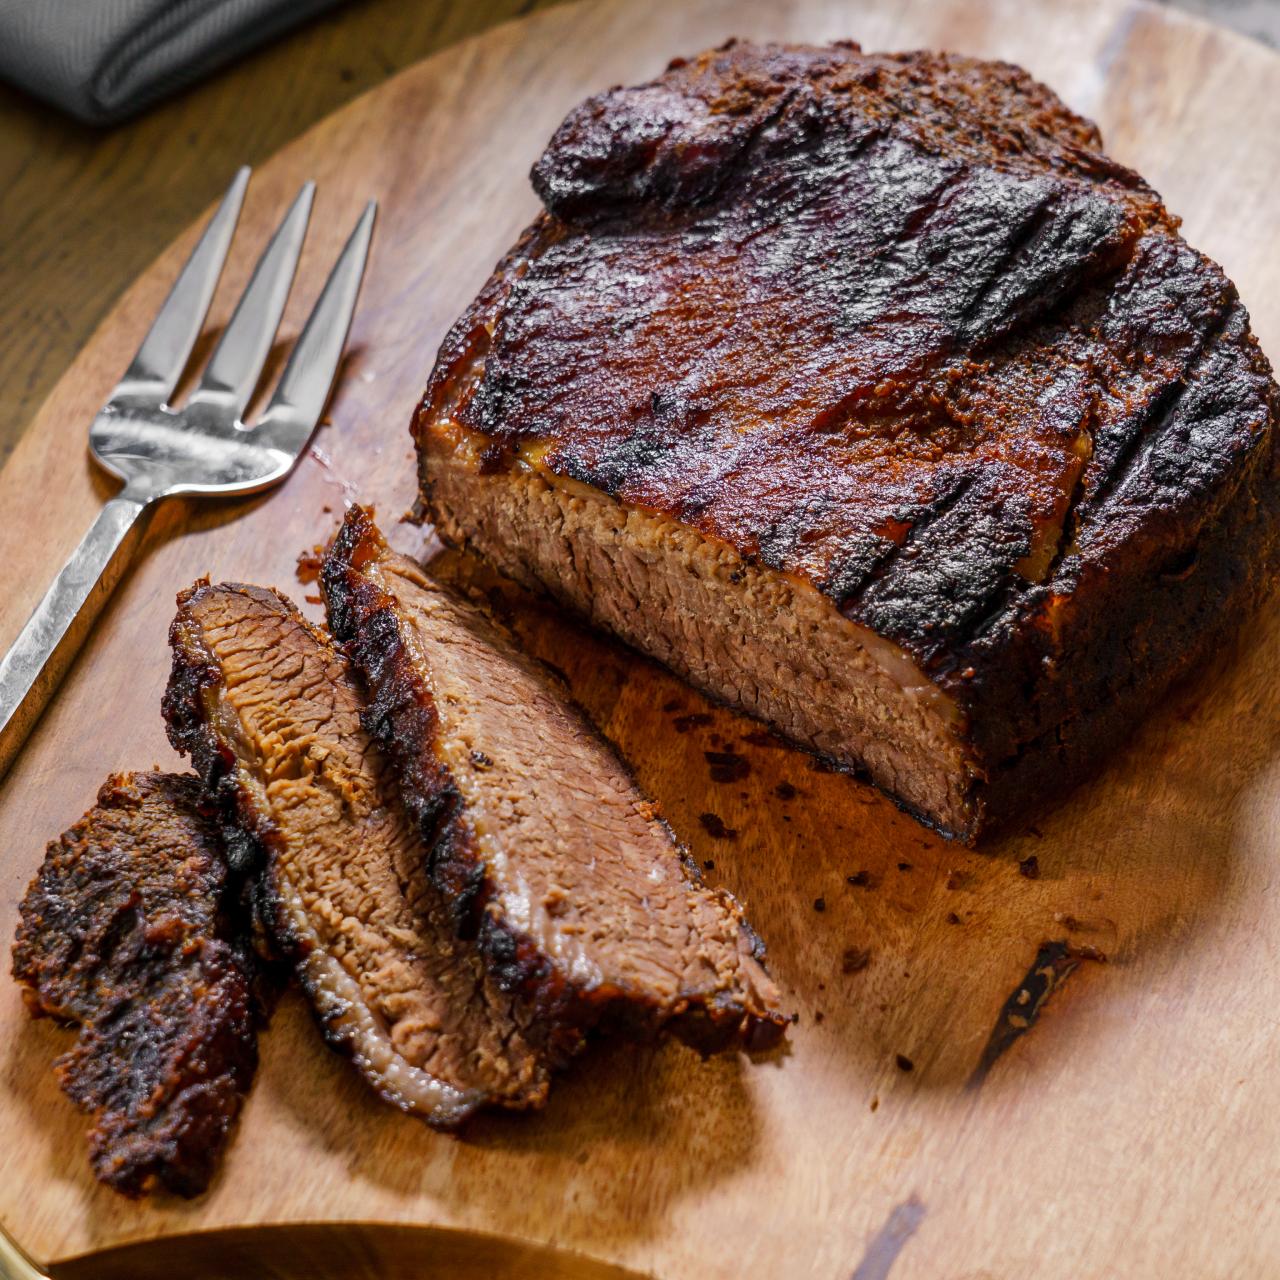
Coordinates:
<point>102,60</point>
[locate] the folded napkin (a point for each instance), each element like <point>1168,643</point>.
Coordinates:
<point>102,60</point>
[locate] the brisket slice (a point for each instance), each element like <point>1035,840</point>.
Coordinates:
<point>132,931</point>
<point>577,892</point>
<point>270,715</point>
<point>869,394</point>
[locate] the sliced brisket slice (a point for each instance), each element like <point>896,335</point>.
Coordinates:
<point>130,930</point>
<point>578,894</point>
<point>271,717</point>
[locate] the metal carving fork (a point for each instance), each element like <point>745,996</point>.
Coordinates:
<point>202,448</point>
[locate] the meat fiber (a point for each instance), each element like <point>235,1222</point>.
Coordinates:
<point>866,392</point>
<point>132,930</point>
<point>270,715</point>
<point>576,891</point>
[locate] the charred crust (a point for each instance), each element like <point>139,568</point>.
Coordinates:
<point>1002,294</point>
<point>402,716</point>
<point>133,929</point>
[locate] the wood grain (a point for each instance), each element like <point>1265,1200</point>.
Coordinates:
<point>1128,1129</point>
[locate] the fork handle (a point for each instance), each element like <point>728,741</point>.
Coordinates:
<point>41,655</point>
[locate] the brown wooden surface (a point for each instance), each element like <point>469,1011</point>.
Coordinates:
<point>1133,1131</point>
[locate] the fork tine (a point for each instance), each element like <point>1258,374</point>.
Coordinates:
<point>164,352</point>
<point>236,364</point>
<point>308,377</point>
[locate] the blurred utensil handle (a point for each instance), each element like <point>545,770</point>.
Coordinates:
<point>43,652</point>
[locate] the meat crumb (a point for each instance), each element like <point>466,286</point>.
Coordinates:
<point>875,1102</point>
<point>952,918</point>
<point>709,865</point>
<point>713,825</point>
<point>309,563</point>
<point>1030,867</point>
<point>904,1063</point>
<point>861,880</point>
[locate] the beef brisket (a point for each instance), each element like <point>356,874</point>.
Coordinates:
<point>131,929</point>
<point>869,394</point>
<point>576,891</point>
<point>270,715</point>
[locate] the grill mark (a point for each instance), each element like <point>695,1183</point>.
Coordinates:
<point>1161,409</point>
<point>881,568</point>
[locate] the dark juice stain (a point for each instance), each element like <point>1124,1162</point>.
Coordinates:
<point>682,724</point>
<point>727,766</point>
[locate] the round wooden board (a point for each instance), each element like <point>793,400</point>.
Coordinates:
<point>1123,1121</point>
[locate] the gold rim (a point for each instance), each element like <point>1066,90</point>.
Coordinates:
<point>14,1264</point>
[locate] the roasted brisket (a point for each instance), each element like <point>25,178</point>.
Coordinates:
<point>869,394</point>
<point>131,929</point>
<point>576,892</point>
<point>270,715</point>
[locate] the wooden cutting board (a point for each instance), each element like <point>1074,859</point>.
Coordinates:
<point>966,1093</point>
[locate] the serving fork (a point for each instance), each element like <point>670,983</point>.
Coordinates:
<point>202,448</point>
